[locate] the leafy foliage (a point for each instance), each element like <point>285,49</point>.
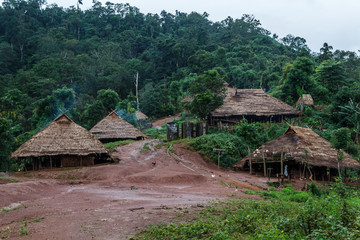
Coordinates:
<point>289,214</point>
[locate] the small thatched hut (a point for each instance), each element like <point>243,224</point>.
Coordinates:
<point>62,143</point>
<point>306,99</point>
<point>303,151</point>
<point>252,104</point>
<point>140,115</point>
<point>114,128</point>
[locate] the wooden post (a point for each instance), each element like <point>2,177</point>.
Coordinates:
<point>218,160</point>
<point>40,163</point>
<point>263,155</point>
<point>81,161</point>
<point>282,165</point>
<point>61,162</point>
<point>33,164</point>
<point>218,151</point>
<point>250,160</point>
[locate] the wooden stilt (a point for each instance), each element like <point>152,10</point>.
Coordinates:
<point>61,162</point>
<point>33,164</point>
<point>81,161</point>
<point>263,155</point>
<point>40,163</point>
<point>282,165</point>
<point>50,162</point>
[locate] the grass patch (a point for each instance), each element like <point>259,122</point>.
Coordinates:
<point>8,209</point>
<point>7,179</point>
<point>288,214</point>
<point>285,194</point>
<point>113,145</point>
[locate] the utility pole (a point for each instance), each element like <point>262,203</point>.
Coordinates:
<point>137,90</point>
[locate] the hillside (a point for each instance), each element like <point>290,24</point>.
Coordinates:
<point>85,62</point>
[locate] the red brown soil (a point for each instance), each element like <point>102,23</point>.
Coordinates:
<point>159,122</point>
<point>116,201</point>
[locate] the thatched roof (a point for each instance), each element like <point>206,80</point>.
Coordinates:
<point>252,102</point>
<point>302,144</point>
<point>186,99</point>
<point>140,116</point>
<point>114,127</point>
<point>61,137</point>
<point>306,99</point>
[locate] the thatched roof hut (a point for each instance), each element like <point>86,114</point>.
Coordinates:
<point>301,145</point>
<point>306,100</point>
<point>186,99</point>
<point>252,104</point>
<point>114,128</point>
<point>140,116</point>
<point>61,137</point>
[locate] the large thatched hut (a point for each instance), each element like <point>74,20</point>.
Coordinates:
<point>304,153</point>
<point>252,104</point>
<point>305,99</point>
<point>114,128</point>
<point>62,143</point>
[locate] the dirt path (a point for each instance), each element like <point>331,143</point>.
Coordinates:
<point>159,122</point>
<point>116,201</point>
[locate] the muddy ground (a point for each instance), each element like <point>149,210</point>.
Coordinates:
<point>116,201</point>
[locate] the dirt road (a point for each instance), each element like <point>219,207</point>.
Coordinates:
<point>116,201</point>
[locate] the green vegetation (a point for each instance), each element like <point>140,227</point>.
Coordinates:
<point>84,62</point>
<point>7,179</point>
<point>288,214</point>
<point>113,145</point>
<point>236,141</point>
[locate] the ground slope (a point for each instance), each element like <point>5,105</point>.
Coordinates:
<point>115,201</point>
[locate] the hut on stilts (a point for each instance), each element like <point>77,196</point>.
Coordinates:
<point>62,143</point>
<point>114,128</point>
<point>300,153</point>
<point>252,104</point>
<point>305,99</point>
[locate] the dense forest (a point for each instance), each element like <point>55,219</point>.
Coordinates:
<point>57,59</point>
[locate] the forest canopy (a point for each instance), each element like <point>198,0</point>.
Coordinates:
<point>57,59</point>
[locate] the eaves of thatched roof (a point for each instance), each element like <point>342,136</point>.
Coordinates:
<point>302,145</point>
<point>252,102</point>
<point>61,137</point>
<point>114,127</point>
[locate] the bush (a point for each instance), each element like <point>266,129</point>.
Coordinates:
<point>234,146</point>
<point>289,214</point>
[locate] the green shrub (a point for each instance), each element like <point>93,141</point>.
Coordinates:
<point>235,149</point>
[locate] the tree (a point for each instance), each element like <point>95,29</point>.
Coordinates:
<point>298,79</point>
<point>208,93</point>
<point>108,98</point>
<point>352,113</point>
<point>330,74</point>
<point>340,139</point>
<point>6,144</point>
<point>325,52</point>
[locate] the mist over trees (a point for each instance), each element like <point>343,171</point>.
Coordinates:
<point>57,59</point>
